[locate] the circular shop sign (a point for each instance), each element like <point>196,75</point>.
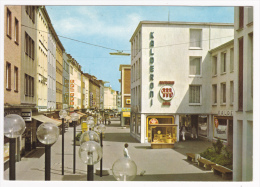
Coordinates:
<point>167,93</point>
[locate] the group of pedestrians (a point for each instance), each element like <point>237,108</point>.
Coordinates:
<point>184,130</point>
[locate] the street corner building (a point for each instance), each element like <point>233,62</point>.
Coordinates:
<point>191,74</point>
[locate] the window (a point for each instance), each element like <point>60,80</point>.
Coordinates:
<point>241,17</point>
<point>223,62</point>
<point>79,75</point>
<point>231,92</point>
<point>250,14</point>
<point>214,94</point>
<point>15,79</point>
<point>29,85</point>
<point>195,38</point>
<point>71,70</point>
<point>79,89</point>
<point>8,76</point>
<point>240,73</point>
<point>194,94</point>
<point>231,59</point>
<point>223,93</point>
<point>195,65</point>
<point>30,12</point>
<point>16,31</point>
<point>214,65</point>
<point>8,23</point>
<point>29,46</point>
<point>26,85</point>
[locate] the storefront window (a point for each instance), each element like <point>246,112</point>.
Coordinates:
<point>220,128</point>
<point>138,123</point>
<point>161,129</point>
<point>203,126</point>
<point>133,122</point>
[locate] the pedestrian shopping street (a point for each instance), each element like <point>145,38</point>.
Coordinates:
<point>156,164</point>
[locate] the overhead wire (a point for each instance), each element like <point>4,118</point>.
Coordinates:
<point>125,49</point>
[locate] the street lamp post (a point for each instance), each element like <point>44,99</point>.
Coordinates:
<point>14,127</point>
<point>63,114</point>
<point>90,151</point>
<point>101,129</point>
<point>74,118</point>
<point>47,133</point>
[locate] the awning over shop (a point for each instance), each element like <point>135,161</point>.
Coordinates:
<point>43,119</point>
<point>81,114</point>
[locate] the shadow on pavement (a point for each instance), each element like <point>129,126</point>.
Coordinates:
<point>157,177</point>
<point>192,146</point>
<point>37,153</point>
<point>143,147</point>
<point>119,137</point>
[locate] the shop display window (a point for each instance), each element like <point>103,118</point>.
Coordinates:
<point>163,134</point>
<point>161,131</point>
<point>220,128</point>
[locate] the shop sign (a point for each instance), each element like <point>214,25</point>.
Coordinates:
<point>128,101</point>
<point>151,68</point>
<point>225,113</point>
<point>166,82</point>
<point>126,110</point>
<point>167,93</point>
<point>26,114</point>
<point>153,121</point>
<point>71,93</point>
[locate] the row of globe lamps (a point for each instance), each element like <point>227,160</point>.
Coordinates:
<point>90,151</point>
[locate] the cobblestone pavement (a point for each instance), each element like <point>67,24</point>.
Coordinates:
<point>158,164</point>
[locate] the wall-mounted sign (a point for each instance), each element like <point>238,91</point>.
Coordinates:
<point>153,121</point>
<point>225,113</point>
<point>151,68</point>
<point>167,93</point>
<point>26,114</point>
<point>126,109</point>
<point>71,93</point>
<point>166,82</point>
<point>128,101</point>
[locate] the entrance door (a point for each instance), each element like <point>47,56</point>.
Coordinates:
<point>230,133</point>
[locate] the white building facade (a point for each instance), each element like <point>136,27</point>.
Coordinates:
<point>222,110</point>
<point>171,76</point>
<point>243,105</point>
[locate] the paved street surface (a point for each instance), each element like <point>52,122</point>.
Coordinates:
<point>159,164</point>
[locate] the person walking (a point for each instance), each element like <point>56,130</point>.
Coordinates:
<point>194,132</point>
<point>183,131</point>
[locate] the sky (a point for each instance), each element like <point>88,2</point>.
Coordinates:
<point>111,27</point>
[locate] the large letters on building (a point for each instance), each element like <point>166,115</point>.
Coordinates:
<point>151,69</point>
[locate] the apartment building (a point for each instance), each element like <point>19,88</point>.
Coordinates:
<point>51,95</point>
<point>109,98</point>
<point>94,93</point>
<point>243,98</point>
<point>125,93</point>
<point>42,59</point>
<point>59,69</point>
<point>12,71</point>
<point>170,77</point>
<point>66,81</point>
<point>222,110</point>
<point>75,85</point>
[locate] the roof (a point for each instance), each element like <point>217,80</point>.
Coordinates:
<point>229,43</point>
<point>128,66</point>
<point>176,23</point>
